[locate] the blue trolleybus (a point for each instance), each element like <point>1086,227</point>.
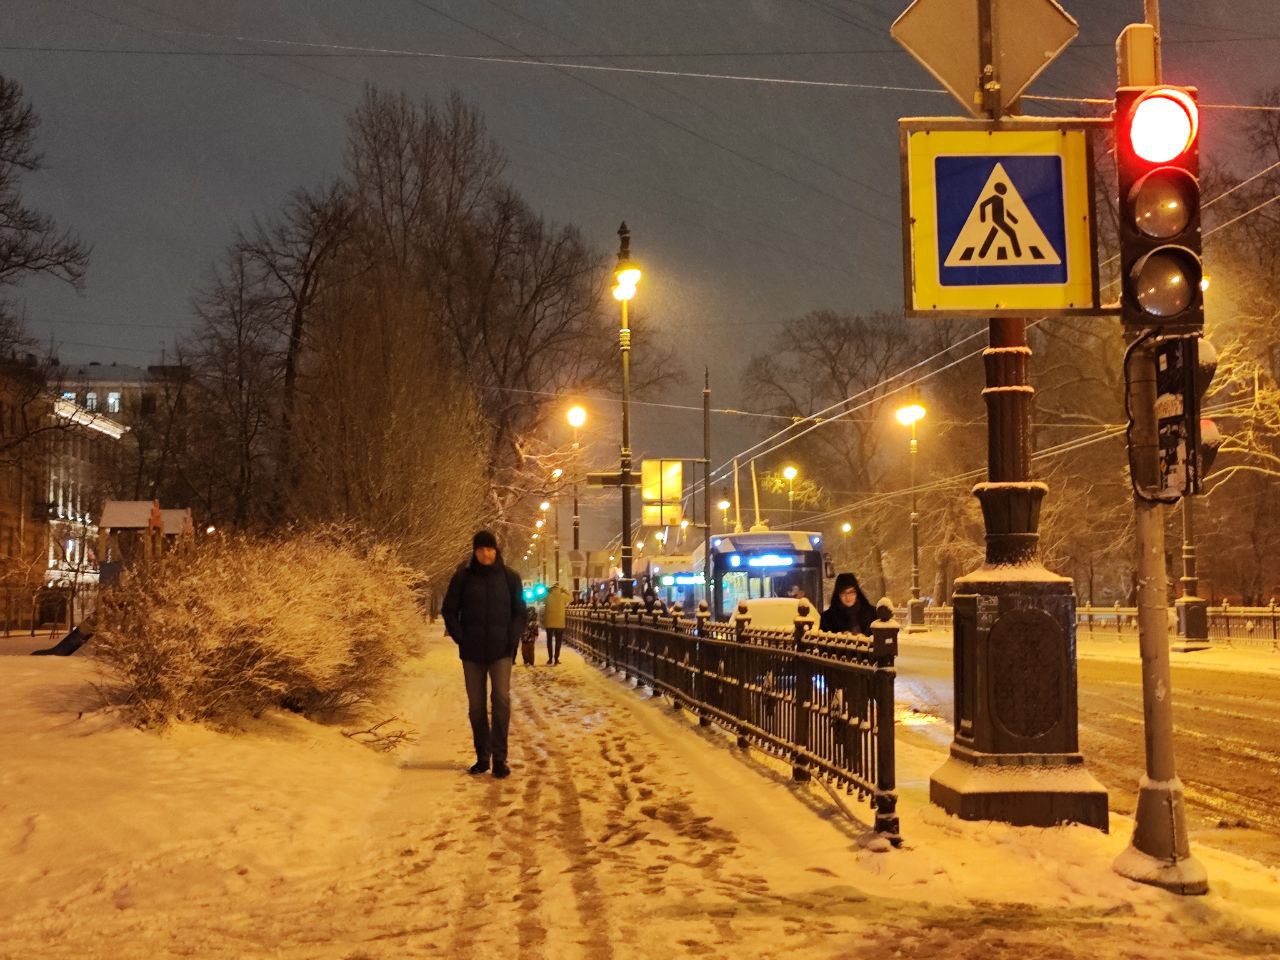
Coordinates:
<point>762,565</point>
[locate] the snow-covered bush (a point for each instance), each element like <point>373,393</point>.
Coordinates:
<point>314,622</point>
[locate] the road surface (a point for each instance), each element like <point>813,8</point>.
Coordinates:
<point>1227,739</point>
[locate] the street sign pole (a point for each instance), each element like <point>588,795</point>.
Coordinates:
<point>1015,753</point>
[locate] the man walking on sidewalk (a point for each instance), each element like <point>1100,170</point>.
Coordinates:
<point>484,613</point>
<point>554,606</point>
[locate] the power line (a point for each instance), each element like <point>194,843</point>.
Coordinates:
<point>689,131</point>
<point>526,59</point>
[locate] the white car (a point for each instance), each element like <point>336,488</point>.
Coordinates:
<point>776,613</point>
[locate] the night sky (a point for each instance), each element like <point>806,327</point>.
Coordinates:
<point>749,202</point>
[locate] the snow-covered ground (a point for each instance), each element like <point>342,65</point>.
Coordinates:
<point>625,831</point>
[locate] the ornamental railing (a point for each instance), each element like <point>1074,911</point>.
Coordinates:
<point>823,702</point>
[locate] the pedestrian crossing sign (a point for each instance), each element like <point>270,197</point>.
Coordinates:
<point>998,217</point>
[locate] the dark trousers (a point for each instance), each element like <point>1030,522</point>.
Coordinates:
<point>490,738</point>
<point>554,636</point>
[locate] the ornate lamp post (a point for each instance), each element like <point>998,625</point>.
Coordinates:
<point>909,416</point>
<point>577,418</point>
<point>625,275</point>
<point>790,473</point>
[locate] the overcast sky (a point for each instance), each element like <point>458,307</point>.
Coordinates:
<point>749,202</point>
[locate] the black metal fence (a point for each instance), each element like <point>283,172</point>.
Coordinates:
<point>1256,627</point>
<point>821,701</point>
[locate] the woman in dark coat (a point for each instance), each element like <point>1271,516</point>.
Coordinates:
<point>850,610</point>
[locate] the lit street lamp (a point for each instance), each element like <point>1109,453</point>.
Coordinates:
<point>724,514</point>
<point>846,528</point>
<point>625,275</point>
<point>577,417</point>
<point>790,473</point>
<point>909,416</point>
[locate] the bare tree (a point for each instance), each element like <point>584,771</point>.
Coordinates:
<point>30,242</point>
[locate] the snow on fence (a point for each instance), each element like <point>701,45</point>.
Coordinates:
<point>821,701</point>
<point>1232,626</point>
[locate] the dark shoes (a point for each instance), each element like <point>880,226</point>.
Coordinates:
<point>500,771</point>
<point>480,766</point>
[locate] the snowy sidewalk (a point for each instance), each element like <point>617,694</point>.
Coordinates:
<point>625,831</point>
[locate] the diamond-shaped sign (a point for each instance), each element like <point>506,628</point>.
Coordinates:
<point>1026,36</point>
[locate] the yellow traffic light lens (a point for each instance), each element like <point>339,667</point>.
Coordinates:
<point>1164,124</point>
<point>1165,281</point>
<point>1162,202</point>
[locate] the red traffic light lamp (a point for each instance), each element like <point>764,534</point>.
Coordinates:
<point>1163,124</point>
<point>1157,132</point>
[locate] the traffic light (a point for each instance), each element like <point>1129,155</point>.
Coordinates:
<point>1157,144</point>
<point>1187,444</point>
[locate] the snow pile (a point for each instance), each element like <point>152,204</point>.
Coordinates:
<point>316,623</point>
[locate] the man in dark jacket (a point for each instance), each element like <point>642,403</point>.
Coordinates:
<point>484,613</point>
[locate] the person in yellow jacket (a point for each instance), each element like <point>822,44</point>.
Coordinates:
<point>554,605</point>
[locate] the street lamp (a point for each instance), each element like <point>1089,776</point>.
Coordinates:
<point>846,528</point>
<point>577,417</point>
<point>625,275</point>
<point>544,506</point>
<point>909,416</point>
<point>790,473</point>
<point>724,514</point>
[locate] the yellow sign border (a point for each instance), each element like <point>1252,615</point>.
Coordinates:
<point>923,141</point>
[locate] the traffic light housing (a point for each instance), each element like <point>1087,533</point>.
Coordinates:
<point>1187,444</point>
<point>1157,149</point>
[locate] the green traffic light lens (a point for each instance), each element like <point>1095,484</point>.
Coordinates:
<point>1162,202</point>
<point>1165,281</point>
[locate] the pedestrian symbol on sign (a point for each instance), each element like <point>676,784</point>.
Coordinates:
<point>1000,230</point>
<point>1001,220</point>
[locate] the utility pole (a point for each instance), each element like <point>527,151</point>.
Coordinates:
<point>706,482</point>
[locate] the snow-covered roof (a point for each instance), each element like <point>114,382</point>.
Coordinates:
<point>177,521</point>
<point>103,373</point>
<point>130,515</point>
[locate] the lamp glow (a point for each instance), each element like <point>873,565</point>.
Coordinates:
<point>910,414</point>
<point>790,472</point>
<point>544,506</point>
<point>846,527</point>
<point>577,417</point>
<point>723,505</point>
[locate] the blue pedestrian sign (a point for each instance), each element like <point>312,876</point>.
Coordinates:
<point>999,221</point>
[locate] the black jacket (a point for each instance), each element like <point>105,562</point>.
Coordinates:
<point>838,618</point>
<point>484,611</point>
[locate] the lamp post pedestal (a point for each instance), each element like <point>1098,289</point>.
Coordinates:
<point>1192,610</point>
<point>1015,756</point>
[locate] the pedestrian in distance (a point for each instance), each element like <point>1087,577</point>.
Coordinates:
<point>529,642</point>
<point>485,614</point>
<point>553,619</point>
<point>850,610</point>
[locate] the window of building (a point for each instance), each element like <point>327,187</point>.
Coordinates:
<point>69,395</point>
<point>91,401</point>
<point>148,404</point>
<point>113,401</point>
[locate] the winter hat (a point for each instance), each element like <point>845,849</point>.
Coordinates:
<point>484,538</point>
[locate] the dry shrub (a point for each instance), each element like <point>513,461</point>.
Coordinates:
<point>314,622</point>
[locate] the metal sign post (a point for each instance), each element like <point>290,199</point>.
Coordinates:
<point>998,226</point>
